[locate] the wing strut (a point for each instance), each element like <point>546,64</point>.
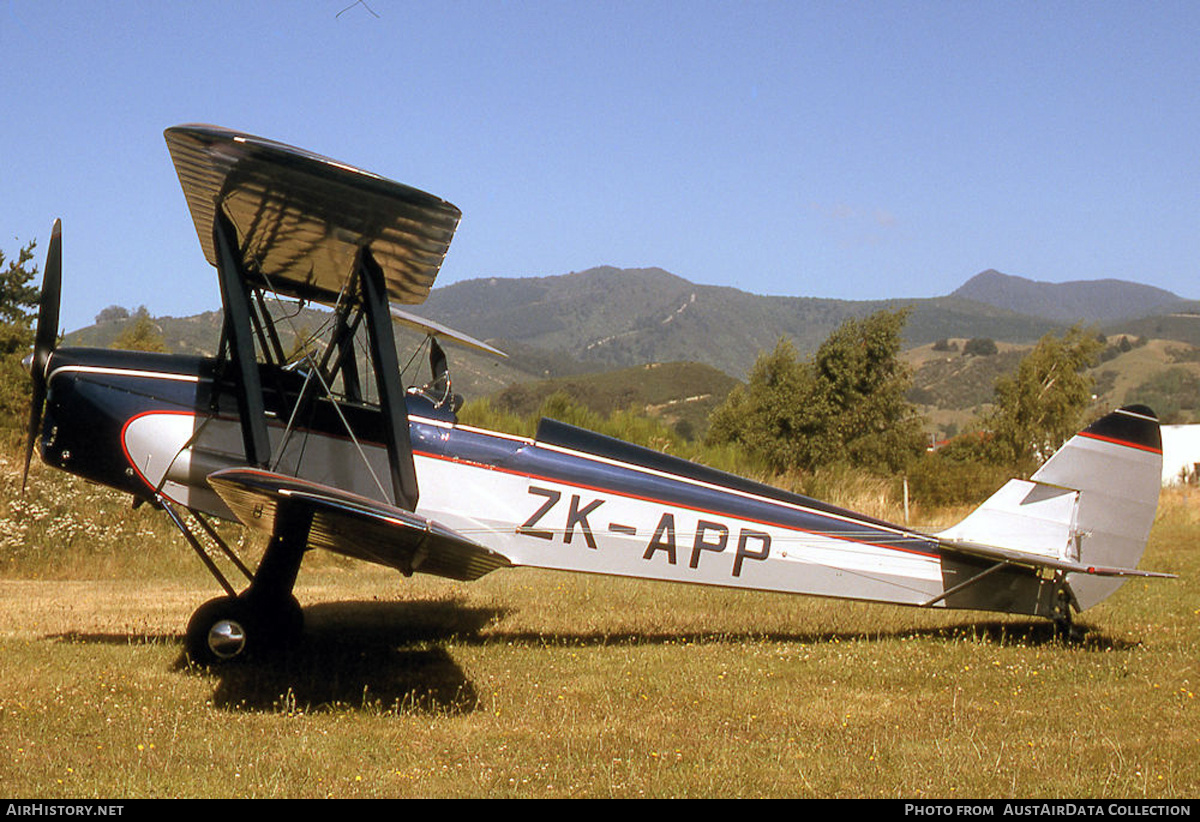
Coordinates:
<point>387,377</point>
<point>236,299</point>
<point>965,584</point>
<point>238,332</point>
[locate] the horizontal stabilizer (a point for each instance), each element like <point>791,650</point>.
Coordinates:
<point>1025,517</point>
<point>1032,560</point>
<point>352,525</point>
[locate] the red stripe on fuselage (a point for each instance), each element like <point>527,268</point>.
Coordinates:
<point>656,501</point>
<point>125,448</point>
<point>583,486</point>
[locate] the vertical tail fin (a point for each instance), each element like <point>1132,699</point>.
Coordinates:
<point>1116,465</point>
<point>1090,506</point>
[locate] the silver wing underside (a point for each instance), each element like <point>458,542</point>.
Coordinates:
<point>301,218</point>
<point>352,525</point>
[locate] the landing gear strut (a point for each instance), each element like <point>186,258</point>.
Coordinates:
<point>1064,626</point>
<point>266,615</point>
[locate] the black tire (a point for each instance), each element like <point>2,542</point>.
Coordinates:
<point>222,631</point>
<point>228,630</point>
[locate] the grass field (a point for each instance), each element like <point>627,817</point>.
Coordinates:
<point>536,684</point>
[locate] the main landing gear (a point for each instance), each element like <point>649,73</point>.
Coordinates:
<point>264,617</point>
<point>230,629</point>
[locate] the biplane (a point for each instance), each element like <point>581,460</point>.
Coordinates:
<point>329,449</point>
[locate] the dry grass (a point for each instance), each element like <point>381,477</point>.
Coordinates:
<point>535,684</point>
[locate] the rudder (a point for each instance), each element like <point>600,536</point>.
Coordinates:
<point>1116,465</point>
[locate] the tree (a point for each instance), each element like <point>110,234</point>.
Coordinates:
<point>112,314</point>
<point>304,346</point>
<point>980,347</point>
<point>768,417</point>
<point>845,405</point>
<point>18,299</point>
<point>1041,404</point>
<point>141,334</point>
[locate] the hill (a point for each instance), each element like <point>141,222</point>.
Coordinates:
<point>558,329</point>
<point>1180,326</point>
<point>475,374</point>
<point>1099,301</point>
<point>682,394</point>
<point>610,317</point>
<point>606,318</point>
<point>952,388</point>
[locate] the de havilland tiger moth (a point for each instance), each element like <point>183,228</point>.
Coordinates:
<point>330,450</point>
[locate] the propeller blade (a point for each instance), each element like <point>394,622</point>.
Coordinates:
<point>45,339</point>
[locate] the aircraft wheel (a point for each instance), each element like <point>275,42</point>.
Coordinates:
<point>222,631</point>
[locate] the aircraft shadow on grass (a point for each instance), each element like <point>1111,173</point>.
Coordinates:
<point>393,656</point>
<point>371,656</point>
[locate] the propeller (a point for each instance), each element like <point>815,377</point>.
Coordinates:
<point>44,340</point>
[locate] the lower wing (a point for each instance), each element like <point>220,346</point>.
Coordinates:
<point>352,525</point>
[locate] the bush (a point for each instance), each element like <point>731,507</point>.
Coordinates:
<point>15,391</point>
<point>935,480</point>
<point>980,347</point>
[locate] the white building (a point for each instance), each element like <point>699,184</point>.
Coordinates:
<point>1181,453</point>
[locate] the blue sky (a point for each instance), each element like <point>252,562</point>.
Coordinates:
<point>836,149</point>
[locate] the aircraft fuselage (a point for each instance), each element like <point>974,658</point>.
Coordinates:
<point>150,424</point>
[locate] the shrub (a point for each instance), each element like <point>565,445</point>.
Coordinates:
<point>980,347</point>
<point>935,480</point>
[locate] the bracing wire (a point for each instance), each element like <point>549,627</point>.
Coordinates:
<point>314,371</point>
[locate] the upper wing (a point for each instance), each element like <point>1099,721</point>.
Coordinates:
<point>354,525</point>
<point>301,218</point>
<point>435,329</point>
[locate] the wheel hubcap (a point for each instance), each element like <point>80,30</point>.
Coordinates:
<point>226,638</point>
